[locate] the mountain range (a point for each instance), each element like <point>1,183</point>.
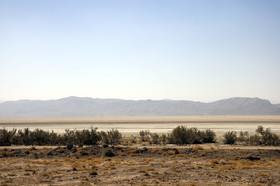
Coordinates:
<point>84,106</point>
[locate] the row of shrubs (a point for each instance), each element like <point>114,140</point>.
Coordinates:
<point>69,137</point>
<point>262,137</point>
<point>179,135</point>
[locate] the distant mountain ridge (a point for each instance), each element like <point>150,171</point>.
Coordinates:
<point>85,106</point>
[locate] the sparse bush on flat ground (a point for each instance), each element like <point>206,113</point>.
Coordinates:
<point>230,137</point>
<point>144,135</point>
<point>262,137</point>
<point>266,137</point>
<point>112,137</point>
<point>183,135</point>
<point>6,137</point>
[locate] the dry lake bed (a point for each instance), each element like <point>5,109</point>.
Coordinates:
<point>132,125</point>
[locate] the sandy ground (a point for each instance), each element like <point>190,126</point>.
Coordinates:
<point>147,119</point>
<point>152,165</point>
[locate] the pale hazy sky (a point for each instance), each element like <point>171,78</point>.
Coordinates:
<point>146,49</point>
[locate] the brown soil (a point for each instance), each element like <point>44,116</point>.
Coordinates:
<point>121,165</point>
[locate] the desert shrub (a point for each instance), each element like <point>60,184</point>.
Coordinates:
<point>144,135</point>
<point>183,135</point>
<point>267,137</point>
<point>230,137</point>
<point>93,172</point>
<point>254,140</point>
<point>178,135</point>
<point>55,139</point>
<point>155,138</point>
<point>39,137</point>
<point>260,130</point>
<point>87,137</point>
<point>262,137</point>
<point>104,137</point>
<point>133,139</point>
<point>243,137</point>
<point>6,137</point>
<point>109,153</point>
<point>112,137</point>
<point>163,139</point>
<point>68,137</point>
<point>209,136</point>
<point>23,137</point>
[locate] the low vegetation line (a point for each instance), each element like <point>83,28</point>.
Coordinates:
<point>180,135</point>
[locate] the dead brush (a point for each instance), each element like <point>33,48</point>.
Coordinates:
<point>181,156</point>
<point>154,172</point>
<point>194,156</point>
<point>122,154</point>
<point>176,169</point>
<point>109,167</point>
<point>26,174</point>
<point>214,161</point>
<point>58,172</point>
<point>226,167</point>
<point>96,161</point>
<point>118,147</point>
<point>45,174</point>
<point>93,172</point>
<point>11,174</point>
<point>193,184</point>
<point>264,173</point>
<point>132,169</point>
<point>143,170</point>
<point>170,152</point>
<point>157,151</point>
<point>197,147</point>
<point>172,156</point>
<point>30,170</point>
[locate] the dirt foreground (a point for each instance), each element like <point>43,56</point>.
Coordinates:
<point>120,165</point>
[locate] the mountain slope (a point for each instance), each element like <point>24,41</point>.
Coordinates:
<point>77,106</point>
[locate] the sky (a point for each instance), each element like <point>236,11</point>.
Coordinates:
<point>197,50</point>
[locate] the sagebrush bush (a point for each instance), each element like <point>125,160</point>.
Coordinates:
<point>243,137</point>
<point>109,153</point>
<point>183,135</point>
<point>6,137</point>
<point>230,137</point>
<point>112,137</point>
<point>144,135</point>
<point>267,137</point>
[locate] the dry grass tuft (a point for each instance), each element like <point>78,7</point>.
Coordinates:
<point>11,174</point>
<point>45,174</point>
<point>214,161</point>
<point>93,172</point>
<point>197,147</point>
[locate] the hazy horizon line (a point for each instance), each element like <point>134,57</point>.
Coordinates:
<point>130,99</point>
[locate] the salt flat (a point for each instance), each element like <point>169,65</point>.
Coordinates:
<point>132,125</point>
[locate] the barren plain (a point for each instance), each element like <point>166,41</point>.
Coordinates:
<point>156,165</point>
<point>206,164</point>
